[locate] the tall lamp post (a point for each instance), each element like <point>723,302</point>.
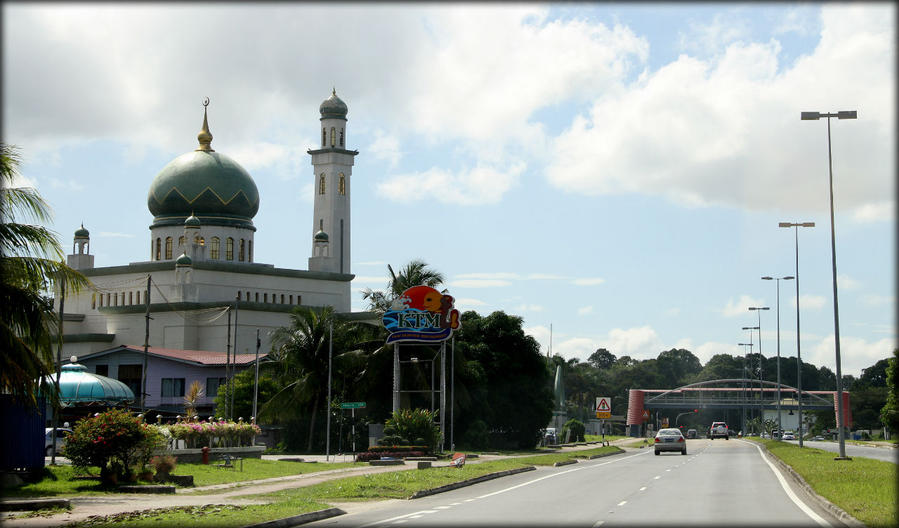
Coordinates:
<point>778,279</point>
<point>797,225</point>
<point>814,116</point>
<point>743,383</point>
<point>751,328</point>
<point>758,310</point>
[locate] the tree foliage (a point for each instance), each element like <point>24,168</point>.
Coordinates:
<point>889,414</point>
<point>115,441</point>
<point>31,264</point>
<point>415,273</point>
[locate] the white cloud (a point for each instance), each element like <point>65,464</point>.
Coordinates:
<point>639,343</point>
<point>544,276</point>
<point>879,300</point>
<point>706,350</point>
<point>711,37</point>
<point>875,212</point>
<point>68,185</point>
<point>845,282</point>
<point>801,20</point>
<point>465,303</point>
<point>540,333</point>
<point>712,131</point>
<point>740,306</point>
<point>855,353</point>
<point>479,283</point>
<point>592,281</point>
<point>385,147</point>
<point>810,302</point>
<point>586,310</point>
<point>577,347</point>
<point>479,186</point>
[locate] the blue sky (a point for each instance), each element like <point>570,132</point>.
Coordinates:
<point>615,171</point>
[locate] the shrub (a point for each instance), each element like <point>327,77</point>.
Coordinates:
<point>205,434</point>
<point>114,441</point>
<point>577,429</point>
<point>411,427</point>
<point>388,451</point>
<point>164,463</point>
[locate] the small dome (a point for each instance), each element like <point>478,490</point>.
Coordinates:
<point>78,386</point>
<point>321,236</point>
<point>333,107</point>
<point>82,232</point>
<point>183,261</point>
<point>192,221</point>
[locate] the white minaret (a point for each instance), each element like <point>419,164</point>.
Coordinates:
<point>332,166</point>
<point>81,258</point>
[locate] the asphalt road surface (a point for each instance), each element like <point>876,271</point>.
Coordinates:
<point>717,483</point>
<point>887,454</point>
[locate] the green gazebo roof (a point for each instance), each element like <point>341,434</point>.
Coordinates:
<point>78,386</point>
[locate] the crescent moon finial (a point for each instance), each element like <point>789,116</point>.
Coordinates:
<point>206,102</point>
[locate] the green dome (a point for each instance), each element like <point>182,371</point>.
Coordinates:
<point>321,236</point>
<point>183,260</point>
<point>333,107</point>
<point>192,221</point>
<point>82,232</point>
<point>78,386</point>
<point>207,184</point>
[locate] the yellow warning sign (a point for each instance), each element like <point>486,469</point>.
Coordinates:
<point>603,407</point>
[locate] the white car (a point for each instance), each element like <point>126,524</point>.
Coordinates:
<point>788,435</point>
<point>61,434</point>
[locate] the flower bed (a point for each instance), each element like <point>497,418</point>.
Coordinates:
<point>376,452</point>
<point>212,434</point>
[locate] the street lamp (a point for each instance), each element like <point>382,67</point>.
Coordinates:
<point>743,383</point>
<point>814,116</point>
<point>758,310</point>
<point>798,351</point>
<point>778,279</point>
<point>751,328</point>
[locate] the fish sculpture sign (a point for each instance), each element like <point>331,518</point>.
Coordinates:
<point>421,314</point>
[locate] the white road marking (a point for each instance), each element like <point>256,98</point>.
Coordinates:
<point>593,466</point>
<point>622,503</point>
<point>657,477</point>
<point>783,483</point>
<point>455,504</point>
<point>469,500</point>
<point>598,524</point>
<point>643,488</point>
<point>441,507</point>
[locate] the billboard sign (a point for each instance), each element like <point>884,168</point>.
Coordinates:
<point>421,315</point>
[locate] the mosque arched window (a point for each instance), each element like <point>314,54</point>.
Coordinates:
<point>181,240</point>
<point>291,299</point>
<point>257,296</point>
<point>240,254</point>
<point>168,248</point>
<point>282,298</point>
<point>93,301</point>
<point>341,184</point>
<point>333,136</point>
<point>200,241</point>
<point>158,248</point>
<point>341,137</point>
<point>215,248</point>
<point>321,183</point>
<point>131,297</point>
<point>229,249</point>
<point>249,251</point>
<point>238,295</point>
<point>324,137</point>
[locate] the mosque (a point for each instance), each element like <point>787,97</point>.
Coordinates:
<point>201,297</point>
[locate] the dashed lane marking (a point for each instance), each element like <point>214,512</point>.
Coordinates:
<point>622,503</point>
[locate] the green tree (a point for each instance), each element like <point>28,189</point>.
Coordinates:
<point>678,365</point>
<point>602,359</point>
<point>299,363</point>
<point>889,414</point>
<point>415,273</point>
<point>31,263</point>
<point>511,385</point>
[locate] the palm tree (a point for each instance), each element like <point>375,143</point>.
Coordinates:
<point>31,265</point>
<point>415,273</point>
<point>300,362</point>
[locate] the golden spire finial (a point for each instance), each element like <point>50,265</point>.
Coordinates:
<point>333,91</point>
<point>205,136</point>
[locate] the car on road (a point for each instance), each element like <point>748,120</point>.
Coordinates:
<point>670,440</point>
<point>61,434</point>
<point>549,436</point>
<point>691,433</point>
<point>788,435</point>
<point>818,438</point>
<point>719,430</point>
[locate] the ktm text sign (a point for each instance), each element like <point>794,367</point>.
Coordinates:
<point>421,314</point>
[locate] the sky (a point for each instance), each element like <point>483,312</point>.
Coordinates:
<point>614,174</point>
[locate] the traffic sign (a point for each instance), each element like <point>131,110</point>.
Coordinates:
<point>603,407</point>
<point>352,405</point>
<point>645,414</point>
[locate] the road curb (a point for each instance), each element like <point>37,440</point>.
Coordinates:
<point>565,462</point>
<point>469,482</point>
<point>33,504</point>
<point>297,520</point>
<point>834,510</point>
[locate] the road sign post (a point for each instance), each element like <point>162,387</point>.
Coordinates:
<point>352,405</point>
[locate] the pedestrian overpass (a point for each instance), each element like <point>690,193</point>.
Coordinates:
<point>729,394</point>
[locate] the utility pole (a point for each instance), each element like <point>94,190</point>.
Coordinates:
<point>143,384</point>
<point>256,384</point>
<point>231,379</point>
<point>227,362</point>
<point>62,302</point>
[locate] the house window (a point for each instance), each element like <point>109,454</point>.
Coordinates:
<point>240,254</point>
<point>321,183</point>
<point>214,249</point>
<point>212,386</point>
<point>341,184</point>
<point>168,248</point>
<point>158,248</point>
<point>229,249</point>
<point>172,387</point>
<point>131,375</point>
<point>102,370</point>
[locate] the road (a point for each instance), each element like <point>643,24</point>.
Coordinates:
<point>887,454</point>
<point>718,483</point>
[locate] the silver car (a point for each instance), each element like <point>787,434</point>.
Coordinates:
<point>670,440</point>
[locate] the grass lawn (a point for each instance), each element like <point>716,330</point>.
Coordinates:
<point>863,487</point>
<point>58,480</point>
<point>597,438</point>
<point>224,516</point>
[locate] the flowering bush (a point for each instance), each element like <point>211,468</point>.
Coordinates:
<point>114,441</point>
<point>214,434</point>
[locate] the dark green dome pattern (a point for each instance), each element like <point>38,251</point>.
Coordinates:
<point>207,184</point>
<point>333,107</point>
<point>82,232</point>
